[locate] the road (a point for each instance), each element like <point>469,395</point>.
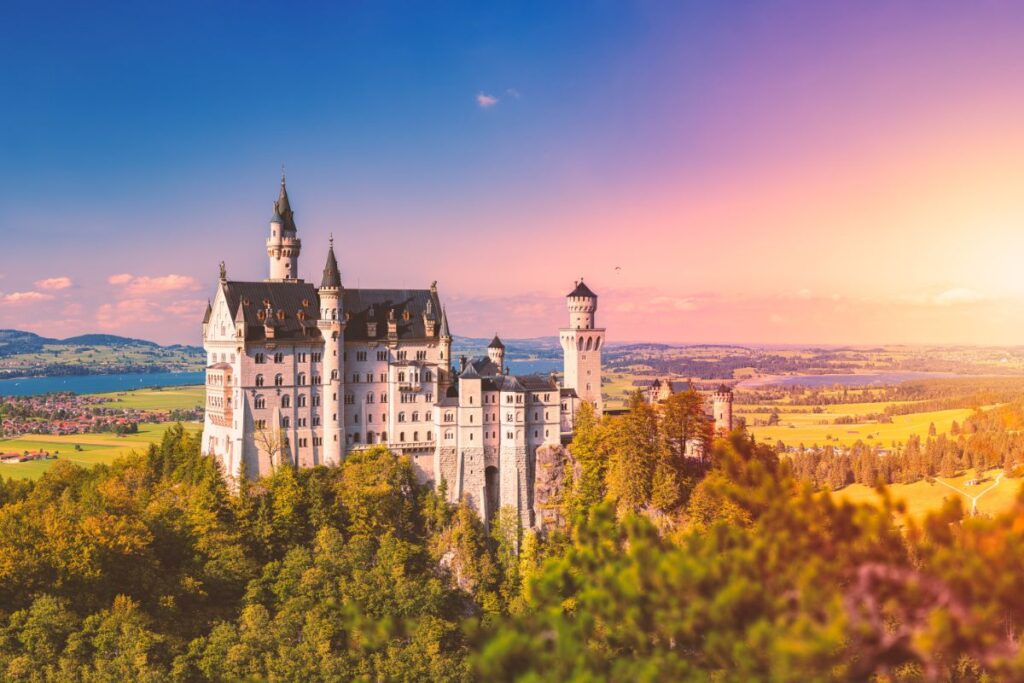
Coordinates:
<point>973,499</point>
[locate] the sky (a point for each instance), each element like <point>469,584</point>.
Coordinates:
<point>785,172</point>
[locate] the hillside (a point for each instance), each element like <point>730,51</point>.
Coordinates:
<point>26,354</point>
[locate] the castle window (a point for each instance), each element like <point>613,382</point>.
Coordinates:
<point>597,342</point>
<point>401,436</point>
<point>316,420</point>
<point>448,435</point>
<point>369,377</point>
<point>401,355</point>
<point>356,437</point>
<point>355,417</point>
<point>349,399</point>
<point>430,436</point>
<point>448,417</point>
<point>301,401</point>
<point>302,379</point>
<point>315,379</point>
<point>383,397</point>
<point>401,377</point>
<point>369,417</point>
<point>383,437</point>
<point>259,402</point>
<point>316,400</point>
<point>260,424</point>
<point>278,357</point>
<point>382,355</point>
<point>535,434</point>
<point>259,380</point>
<point>401,417</point>
<point>355,377</point>
<point>260,358</point>
<point>285,422</point>
<point>369,437</point>
<point>428,376</point>
<point>383,377</point>
<point>415,436</point>
<point>421,355</point>
<point>369,398</point>
<point>286,401</point>
<point>360,355</point>
<point>415,416</point>
<point>278,380</point>
<point>579,344</point>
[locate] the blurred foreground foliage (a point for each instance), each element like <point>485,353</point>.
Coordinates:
<point>151,569</point>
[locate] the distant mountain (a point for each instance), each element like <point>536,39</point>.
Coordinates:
<point>26,354</point>
<point>106,340</point>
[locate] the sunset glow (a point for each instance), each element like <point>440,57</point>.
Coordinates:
<point>793,174</point>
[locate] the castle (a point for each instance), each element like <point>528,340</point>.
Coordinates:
<point>304,375</point>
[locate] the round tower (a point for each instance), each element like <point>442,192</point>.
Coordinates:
<point>582,305</point>
<point>722,409</point>
<point>581,346</point>
<point>332,328</point>
<point>496,352</point>
<point>283,245</point>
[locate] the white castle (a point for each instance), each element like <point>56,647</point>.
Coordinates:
<point>304,375</point>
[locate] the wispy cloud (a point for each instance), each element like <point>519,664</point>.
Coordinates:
<point>54,283</point>
<point>486,101</point>
<point>142,285</point>
<point>127,312</point>
<point>14,298</point>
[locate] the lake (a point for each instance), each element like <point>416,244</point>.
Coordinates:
<point>853,380</point>
<point>97,384</point>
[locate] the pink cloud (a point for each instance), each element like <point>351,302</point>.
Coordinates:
<point>127,312</point>
<point>142,285</point>
<point>189,308</point>
<point>486,101</point>
<point>54,283</point>
<point>24,297</point>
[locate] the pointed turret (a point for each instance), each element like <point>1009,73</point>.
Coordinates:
<point>332,277</point>
<point>283,245</point>
<point>209,312</point>
<point>445,333</point>
<point>283,208</point>
<point>496,352</point>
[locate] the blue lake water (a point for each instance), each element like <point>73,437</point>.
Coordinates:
<point>96,384</point>
<point>859,380</point>
<point>529,367</point>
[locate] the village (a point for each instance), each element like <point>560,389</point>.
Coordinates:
<point>63,414</point>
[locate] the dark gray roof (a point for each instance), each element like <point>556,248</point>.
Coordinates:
<point>469,373</point>
<point>332,278</point>
<point>569,392</point>
<point>495,343</point>
<point>298,301</point>
<point>537,382</point>
<point>581,290</point>
<point>209,312</point>
<point>723,389</point>
<point>444,324</point>
<point>376,305</point>
<point>484,366</point>
<point>283,209</point>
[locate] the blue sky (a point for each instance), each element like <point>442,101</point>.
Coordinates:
<point>701,163</point>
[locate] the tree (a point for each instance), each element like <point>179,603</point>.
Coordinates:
<point>635,456</point>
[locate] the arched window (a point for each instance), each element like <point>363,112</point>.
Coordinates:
<point>579,344</point>
<point>429,436</point>
<point>259,380</point>
<point>301,401</point>
<point>383,437</point>
<point>278,380</point>
<point>302,379</point>
<point>597,342</point>
<point>286,401</point>
<point>415,416</point>
<point>401,436</point>
<point>415,436</point>
<point>401,377</point>
<point>401,417</point>
<point>427,376</point>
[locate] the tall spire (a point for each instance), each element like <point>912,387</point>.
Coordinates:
<point>283,208</point>
<point>332,278</point>
<point>444,324</point>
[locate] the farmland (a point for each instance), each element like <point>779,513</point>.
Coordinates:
<point>926,496</point>
<point>159,398</point>
<point>92,449</point>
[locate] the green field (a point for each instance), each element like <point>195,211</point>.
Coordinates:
<point>170,398</point>
<point>95,448</point>
<point>805,428</point>
<point>922,497</point>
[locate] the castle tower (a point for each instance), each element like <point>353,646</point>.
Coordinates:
<point>445,379</point>
<point>722,409</point>
<point>496,352</point>
<point>283,245</point>
<point>332,327</point>
<point>581,346</point>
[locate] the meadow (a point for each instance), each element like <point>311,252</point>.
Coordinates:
<point>93,449</point>
<point>926,496</point>
<point>801,426</point>
<point>165,399</point>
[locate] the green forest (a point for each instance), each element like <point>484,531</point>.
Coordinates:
<point>661,567</point>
